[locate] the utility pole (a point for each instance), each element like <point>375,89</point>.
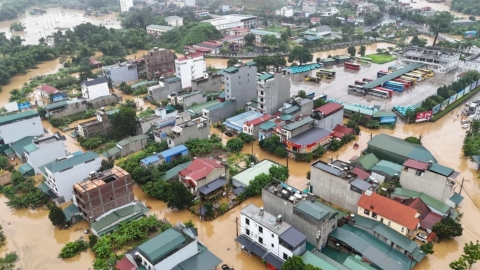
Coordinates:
<point>236,224</point>
<point>461,186</point>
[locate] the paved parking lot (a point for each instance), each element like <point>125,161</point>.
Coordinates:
<point>337,88</point>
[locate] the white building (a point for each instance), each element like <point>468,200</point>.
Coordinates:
<point>434,58</point>
<point>174,21</point>
<point>286,11</point>
<point>44,150</point>
<point>95,88</point>
<point>227,22</point>
<point>125,5</point>
<point>190,3</point>
<point>158,30</point>
<point>260,33</point>
<point>14,127</point>
<point>189,67</point>
<point>269,237</point>
<point>472,62</point>
<point>328,12</point>
<point>63,173</point>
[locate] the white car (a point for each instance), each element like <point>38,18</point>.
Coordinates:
<point>422,237</point>
<point>465,126</point>
<point>469,104</point>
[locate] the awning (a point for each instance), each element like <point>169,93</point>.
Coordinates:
<point>273,260</point>
<point>25,168</point>
<point>9,151</point>
<point>212,186</point>
<point>238,190</point>
<point>476,159</point>
<point>260,251</point>
<point>456,198</point>
<point>237,128</point>
<point>70,211</point>
<point>44,188</point>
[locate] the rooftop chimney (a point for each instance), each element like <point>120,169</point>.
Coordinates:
<point>261,211</point>
<point>279,219</point>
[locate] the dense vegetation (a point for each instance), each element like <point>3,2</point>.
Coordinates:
<point>447,228</point>
<point>72,249</point>
<point>65,121</point>
<point>470,7</point>
<point>8,262</point>
<point>22,192</point>
<point>204,146</point>
<point>296,263</point>
<point>234,145</point>
<point>276,173</point>
<point>2,237</point>
<point>471,255</point>
<point>173,193</point>
<point>189,34</point>
<point>471,143</point>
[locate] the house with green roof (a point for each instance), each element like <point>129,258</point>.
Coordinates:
<point>111,221</point>
<point>365,162</point>
<point>18,147</point>
<point>15,126</point>
<point>309,215</point>
<point>266,130</point>
<point>127,146</point>
<point>177,250</point>
<point>435,205</point>
<point>243,178</point>
<point>62,173</point>
<point>43,150</point>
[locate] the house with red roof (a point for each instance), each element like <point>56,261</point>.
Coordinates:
<point>340,130</point>
<point>328,116</point>
<point>402,218</point>
<point>239,31</point>
<point>252,127</point>
<point>202,172</point>
<point>51,93</point>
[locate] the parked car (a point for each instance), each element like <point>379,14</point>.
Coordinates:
<point>470,104</point>
<point>465,126</point>
<point>229,134</point>
<point>476,101</point>
<point>421,237</point>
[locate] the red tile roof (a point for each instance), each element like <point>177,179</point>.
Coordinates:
<point>200,168</point>
<point>48,89</point>
<point>341,131</point>
<point>259,120</point>
<point>329,108</point>
<point>93,61</point>
<point>191,55</point>
<point>416,164</point>
<point>430,220</point>
<point>125,264</point>
<point>360,173</point>
<point>389,209</point>
<point>419,205</point>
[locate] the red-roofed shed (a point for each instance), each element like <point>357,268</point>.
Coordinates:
<point>125,264</point>
<point>416,164</point>
<point>329,108</point>
<point>339,131</point>
<point>360,173</point>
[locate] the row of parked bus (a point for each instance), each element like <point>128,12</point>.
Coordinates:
<point>356,66</point>
<point>377,91</point>
<point>406,80</point>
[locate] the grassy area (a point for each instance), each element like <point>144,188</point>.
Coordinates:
<point>381,58</point>
<point>276,28</point>
<point>449,108</point>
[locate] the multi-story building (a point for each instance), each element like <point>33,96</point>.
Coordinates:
<point>125,5</point>
<point>313,218</point>
<point>240,83</point>
<point>95,88</point>
<point>328,116</point>
<point>64,172</point>
<point>286,11</point>
<point>198,128</point>
<point>259,34</point>
<point>190,67</point>
<point>103,192</point>
<point>269,236</point>
<point>337,183</point>
<point>43,150</point>
<point>190,3</point>
<point>157,30</point>
<point>253,126</point>
<point>174,21</point>
<point>309,141</point>
<point>401,218</point>
<point>227,22</point>
<point>159,62</point>
<point>14,127</point>
<point>187,99</point>
<point>328,12</point>
<point>127,146</point>
<point>295,128</point>
<point>309,7</point>
<point>273,91</point>
<point>122,72</point>
<point>365,8</point>
<point>101,125</point>
<point>472,62</point>
<point>236,122</point>
<point>163,89</point>
<point>438,60</point>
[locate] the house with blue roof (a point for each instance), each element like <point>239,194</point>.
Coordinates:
<point>165,156</point>
<point>236,122</point>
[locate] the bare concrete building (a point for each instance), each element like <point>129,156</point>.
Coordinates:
<point>328,116</point>
<point>198,128</point>
<point>163,89</point>
<point>434,58</point>
<point>159,62</point>
<point>101,125</point>
<point>103,192</point>
<point>187,99</point>
<point>240,84</point>
<point>273,91</point>
<point>311,217</point>
<point>211,84</point>
<point>337,184</point>
<point>127,146</point>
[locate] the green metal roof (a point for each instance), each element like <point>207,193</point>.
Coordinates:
<point>342,57</point>
<point>20,144</point>
<point>111,152</point>
<point>219,105</point>
<point>43,187</point>
<point>298,124</point>
<point>70,211</point>
<point>357,109</point>
<point>392,75</point>
<point>25,168</point>
<point>387,167</point>
<point>8,151</point>
<point>251,63</point>
<point>132,139</point>
<point>249,174</point>
<point>311,33</point>
<point>440,169</point>
<point>398,150</point>
<point>406,193</point>
<point>324,60</point>
<point>476,159</point>
<point>60,165</point>
<point>55,105</point>
<point>311,210</point>
<point>112,112</point>
<point>310,258</point>
<point>110,221</point>
<point>265,76</point>
<point>199,107</point>
<point>17,116</point>
<point>367,161</point>
<point>29,148</point>
<point>204,260</point>
<point>290,110</point>
<point>175,170</point>
<point>161,244</point>
<point>456,198</point>
<point>267,125</point>
<point>431,202</point>
<point>231,70</point>
<point>383,113</point>
<point>355,262</point>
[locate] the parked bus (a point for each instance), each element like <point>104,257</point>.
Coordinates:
<point>360,83</point>
<point>428,71</point>
<point>414,76</point>
<point>356,88</point>
<point>390,92</point>
<point>351,65</point>
<point>379,93</point>
<point>412,80</point>
<point>365,60</point>
<point>424,75</point>
<point>311,95</point>
<point>395,86</point>
<point>405,82</point>
<point>326,71</point>
<point>367,80</point>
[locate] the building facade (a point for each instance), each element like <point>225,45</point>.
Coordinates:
<point>163,89</point>
<point>14,127</point>
<point>157,30</point>
<point>240,84</point>
<point>273,91</point>
<point>122,72</point>
<point>201,172</point>
<point>103,192</point>
<point>328,116</point>
<point>227,22</point>
<point>158,62</point>
<point>95,88</point>
<point>286,11</point>
<point>101,125</point>
<point>187,99</point>
<point>174,21</point>
<point>190,67</point>
<point>43,150</point>
<point>125,5</point>
<point>438,60</point>
<point>198,128</point>
<point>259,34</point>
<point>253,127</point>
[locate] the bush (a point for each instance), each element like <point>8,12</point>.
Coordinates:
<point>427,248</point>
<point>281,152</point>
<point>413,139</point>
<point>335,145</point>
<point>246,138</point>
<point>304,157</point>
<point>73,248</point>
<point>234,145</point>
<point>373,124</point>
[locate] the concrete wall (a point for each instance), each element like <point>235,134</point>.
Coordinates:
<point>331,121</point>
<point>266,235</point>
<point>103,101</point>
<point>333,189</point>
<point>190,132</point>
<point>211,84</point>
<point>241,85</point>
<point>430,183</point>
<point>18,130</point>
<point>277,91</point>
<point>189,100</point>
<point>220,113</point>
<point>278,206</point>
<point>121,73</point>
<point>146,123</point>
<point>133,147</point>
<point>181,255</point>
<point>159,60</point>
<point>306,108</point>
<point>213,175</point>
<point>95,91</point>
<point>70,109</point>
<point>160,92</point>
<point>45,154</point>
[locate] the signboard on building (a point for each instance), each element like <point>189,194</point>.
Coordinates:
<point>423,116</point>
<point>473,86</point>
<point>378,177</point>
<point>11,107</point>
<point>452,99</point>
<point>25,105</point>
<point>388,119</point>
<point>466,90</point>
<point>436,109</point>
<point>478,82</point>
<point>461,93</point>
<point>470,34</point>
<point>444,104</point>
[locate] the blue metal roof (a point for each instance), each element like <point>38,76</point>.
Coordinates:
<point>173,151</point>
<point>232,126</point>
<point>150,159</point>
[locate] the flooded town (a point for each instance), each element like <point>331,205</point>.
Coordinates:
<point>299,136</point>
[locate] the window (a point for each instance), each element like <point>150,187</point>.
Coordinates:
<point>260,229</point>
<point>374,215</point>
<point>418,173</point>
<point>285,256</point>
<point>273,236</point>
<point>389,223</point>
<point>366,212</point>
<point>333,226</point>
<point>403,229</point>
<point>247,221</point>
<point>273,245</point>
<point>247,232</point>
<point>260,240</point>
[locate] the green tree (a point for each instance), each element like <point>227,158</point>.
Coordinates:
<point>293,263</point>
<point>72,249</point>
<point>440,22</point>
<point>180,197</point>
<point>249,39</point>
<point>300,54</point>
<point>231,62</point>
<point>447,228</point>
<point>413,139</point>
<point>427,247</point>
<point>471,254</point>
<point>279,172</point>
<point>281,152</point>
<point>302,94</point>
<point>124,123</point>
<point>362,50</point>
<point>352,51</point>
<point>209,212</point>
<point>460,264</point>
<point>246,138</point>
<point>420,42</point>
<point>234,145</point>
<point>56,215</point>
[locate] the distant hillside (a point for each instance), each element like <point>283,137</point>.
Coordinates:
<point>258,5</point>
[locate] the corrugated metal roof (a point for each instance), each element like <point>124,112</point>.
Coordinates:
<point>201,261</point>
<point>173,151</point>
<point>312,210</point>
<point>387,167</point>
<point>298,124</point>
<point>25,168</point>
<point>175,170</point>
<point>367,161</point>
<point>161,244</point>
<point>131,211</point>
<point>60,165</point>
<point>20,144</point>
<point>356,263</point>
<point>249,174</point>
<point>70,211</point>
<point>267,125</point>
<point>393,75</point>
<point>212,186</point>
<point>310,136</point>
<point>29,148</point>
<point>310,258</point>
<point>440,169</point>
<point>384,113</point>
<point>17,116</point>
<point>55,105</point>
<point>399,147</point>
<point>293,237</point>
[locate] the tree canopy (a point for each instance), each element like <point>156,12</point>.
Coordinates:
<point>234,145</point>
<point>189,34</point>
<point>471,254</point>
<point>296,263</point>
<point>447,228</point>
<point>300,54</point>
<point>124,122</point>
<point>56,215</point>
<point>440,22</point>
